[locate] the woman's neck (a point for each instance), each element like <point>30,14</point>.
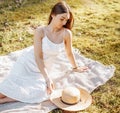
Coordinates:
<point>52,28</point>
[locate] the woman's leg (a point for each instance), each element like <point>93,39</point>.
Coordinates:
<point>2,96</point>
<point>6,99</point>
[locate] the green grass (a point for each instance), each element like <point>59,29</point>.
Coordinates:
<point>96,33</point>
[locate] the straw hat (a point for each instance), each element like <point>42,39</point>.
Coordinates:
<point>71,98</point>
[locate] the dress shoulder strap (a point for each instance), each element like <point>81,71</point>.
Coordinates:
<point>64,33</point>
<point>44,32</point>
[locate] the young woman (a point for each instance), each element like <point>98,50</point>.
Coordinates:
<point>41,67</point>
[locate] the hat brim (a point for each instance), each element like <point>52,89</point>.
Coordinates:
<point>85,100</point>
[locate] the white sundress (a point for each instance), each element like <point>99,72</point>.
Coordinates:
<point>25,82</point>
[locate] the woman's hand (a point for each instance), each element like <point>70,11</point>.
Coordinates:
<point>80,69</point>
<point>50,86</point>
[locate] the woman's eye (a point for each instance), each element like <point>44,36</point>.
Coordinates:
<point>61,19</point>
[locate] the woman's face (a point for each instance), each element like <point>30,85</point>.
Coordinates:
<point>60,19</point>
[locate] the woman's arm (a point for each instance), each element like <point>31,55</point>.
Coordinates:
<point>39,34</point>
<point>38,51</point>
<point>68,47</point>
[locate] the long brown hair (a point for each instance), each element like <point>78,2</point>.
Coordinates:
<point>59,8</point>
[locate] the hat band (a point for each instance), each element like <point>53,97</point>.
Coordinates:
<point>68,103</point>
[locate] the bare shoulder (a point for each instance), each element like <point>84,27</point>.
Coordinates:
<point>68,33</point>
<point>39,31</point>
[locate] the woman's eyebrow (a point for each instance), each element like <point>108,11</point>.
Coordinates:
<point>64,18</point>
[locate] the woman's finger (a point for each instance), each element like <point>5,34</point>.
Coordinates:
<point>82,69</point>
<point>50,89</point>
<point>53,87</point>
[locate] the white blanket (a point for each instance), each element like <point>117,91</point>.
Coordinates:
<point>104,72</point>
